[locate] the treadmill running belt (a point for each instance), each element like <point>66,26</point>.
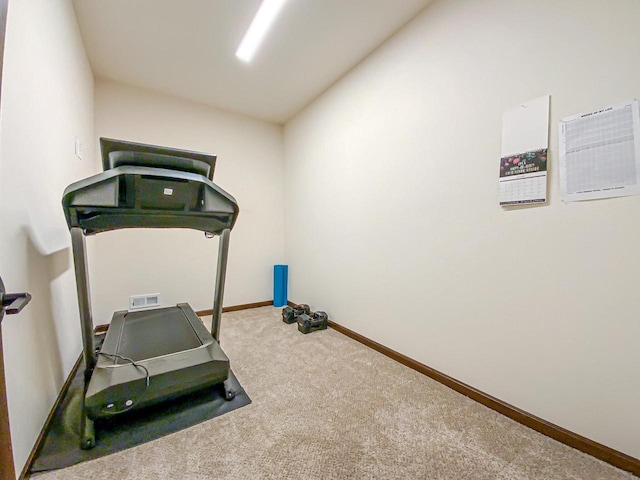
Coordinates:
<point>153,333</point>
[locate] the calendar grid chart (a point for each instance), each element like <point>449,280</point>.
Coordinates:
<point>599,153</point>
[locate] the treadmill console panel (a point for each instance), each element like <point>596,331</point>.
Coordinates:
<point>144,197</point>
<point>147,186</point>
<point>117,153</point>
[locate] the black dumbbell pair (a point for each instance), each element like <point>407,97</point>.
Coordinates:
<point>307,321</point>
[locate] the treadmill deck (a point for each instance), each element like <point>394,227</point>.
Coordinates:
<point>174,347</point>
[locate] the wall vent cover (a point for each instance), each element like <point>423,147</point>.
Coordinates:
<point>144,301</point>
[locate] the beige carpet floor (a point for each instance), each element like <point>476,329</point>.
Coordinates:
<point>326,407</point>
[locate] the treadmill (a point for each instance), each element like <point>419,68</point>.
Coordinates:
<point>148,356</point>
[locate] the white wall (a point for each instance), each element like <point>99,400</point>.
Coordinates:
<point>397,232</point>
<point>180,264</point>
<point>47,100</point>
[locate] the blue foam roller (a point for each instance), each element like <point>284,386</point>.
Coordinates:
<point>280,274</point>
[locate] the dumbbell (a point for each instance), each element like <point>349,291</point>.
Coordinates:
<point>290,314</point>
<point>310,323</point>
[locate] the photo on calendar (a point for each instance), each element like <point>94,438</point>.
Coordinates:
<point>529,162</point>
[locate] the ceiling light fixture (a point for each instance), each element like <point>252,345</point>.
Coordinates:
<point>267,13</point>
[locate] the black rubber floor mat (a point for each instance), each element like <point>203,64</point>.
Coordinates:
<point>60,447</point>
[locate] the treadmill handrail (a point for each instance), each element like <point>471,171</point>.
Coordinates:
<point>98,197</point>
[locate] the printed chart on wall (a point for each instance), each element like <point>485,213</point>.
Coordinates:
<point>600,153</point>
<point>523,158</point>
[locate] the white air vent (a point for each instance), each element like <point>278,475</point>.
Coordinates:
<point>144,301</point>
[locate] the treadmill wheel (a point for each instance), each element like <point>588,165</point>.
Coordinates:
<point>87,432</point>
<point>229,392</point>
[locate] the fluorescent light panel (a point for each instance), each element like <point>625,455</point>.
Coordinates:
<point>267,13</point>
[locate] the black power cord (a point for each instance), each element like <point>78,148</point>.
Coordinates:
<point>136,365</point>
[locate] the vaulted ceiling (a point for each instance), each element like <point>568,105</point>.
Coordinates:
<point>186,48</point>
